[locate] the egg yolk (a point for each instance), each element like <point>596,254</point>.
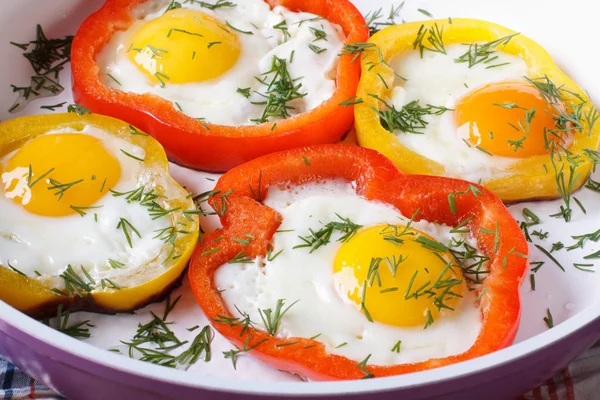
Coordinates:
<point>509,119</point>
<point>56,175</point>
<point>183,46</point>
<point>396,277</point>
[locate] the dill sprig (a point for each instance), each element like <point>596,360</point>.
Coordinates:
<point>78,109</point>
<point>550,256</point>
<point>585,267</point>
<point>173,6</point>
<point>495,233</point>
<point>271,319</point>
<point>281,90</point>
<point>431,244</point>
<point>53,107</point>
<point>581,239</point>
<point>82,210</point>
<point>425,12</point>
<point>186,32</point>
<point>135,131</point>
<point>169,236</point>
<point>137,195</point>
<point>212,6</point>
<point>394,262</point>
<point>75,284</point>
<point>557,246</point>
<point>474,190</point>
<point>47,58</point>
<point>114,264</point>
<point>244,92</point>
<point>363,368</point>
<point>128,229</point>
<point>591,118</point>
<point>531,219</point>
<point>157,211</point>
<point>440,290</point>
<point>565,119</point>
<point>548,319</point>
<point>233,353</point>
<point>373,271</point>
<point>61,188</point>
<point>316,48</point>
<point>376,21</point>
<point>565,186</point>
<point>551,93</point>
<point>148,199</point>
<point>462,226</point>
<point>244,321</point>
<point>593,185</point>
<point>409,119</point>
<point>568,116</point>
<point>351,101</point>
<point>31,183</point>
<point>319,34</point>
<point>429,321</point>
<point>433,36</point>
<point>107,283</point>
<point>323,236</point>
<point>79,330</point>
<point>356,49</point>
<point>199,346</point>
<point>155,51</point>
<point>272,256</point>
<point>484,53</point>
<point>132,156</point>
<point>241,258</point>
<point>219,201</point>
<point>238,29</point>
<point>162,341</point>
<point>593,255</point>
<point>156,332</point>
<point>473,264</point>
<point>282,26</point>
<point>257,195</point>
<point>395,234</point>
<point>15,270</point>
<point>523,126</point>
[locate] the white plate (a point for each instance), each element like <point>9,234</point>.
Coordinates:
<point>566,30</point>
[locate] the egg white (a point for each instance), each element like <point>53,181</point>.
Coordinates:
<point>296,274</point>
<point>217,100</point>
<point>437,79</point>
<point>31,242</point>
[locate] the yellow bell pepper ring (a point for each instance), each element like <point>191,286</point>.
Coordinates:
<point>565,153</point>
<point>41,294</point>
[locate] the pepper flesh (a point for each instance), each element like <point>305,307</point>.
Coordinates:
<point>528,178</point>
<point>201,145</point>
<point>32,296</point>
<point>377,179</point>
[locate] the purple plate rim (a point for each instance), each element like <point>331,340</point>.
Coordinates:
<point>76,348</point>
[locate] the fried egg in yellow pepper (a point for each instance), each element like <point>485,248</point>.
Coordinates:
<point>474,100</point>
<point>89,216</point>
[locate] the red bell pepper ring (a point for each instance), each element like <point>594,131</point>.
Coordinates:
<point>238,201</point>
<point>200,145</point>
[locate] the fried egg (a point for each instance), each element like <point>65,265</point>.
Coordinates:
<point>221,64</point>
<point>493,115</point>
<point>370,289</point>
<point>84,200</point>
